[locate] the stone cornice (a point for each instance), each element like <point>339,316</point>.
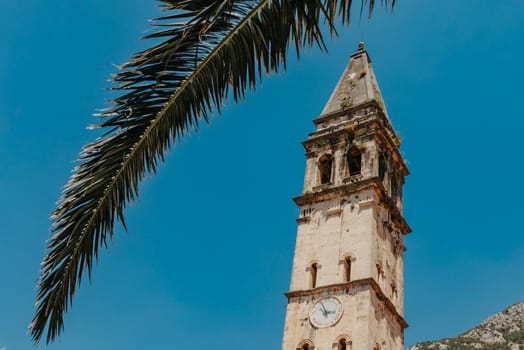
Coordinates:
<point>347,189</point>
<point>351,112</point>
<point>348,110</point>
<point>350,285</point>
<point>341,128</point>
<point>333,192</point>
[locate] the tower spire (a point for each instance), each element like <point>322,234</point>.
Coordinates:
<point>357,85</point>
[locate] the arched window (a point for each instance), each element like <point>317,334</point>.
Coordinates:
<point>354,158</point>
<point>377,347</point>
<point>325,165</point>
<point>306,345</point>
<point>342,342</point>
<point>347,269</point>
<point>381,166</point>
<point>314,273</point>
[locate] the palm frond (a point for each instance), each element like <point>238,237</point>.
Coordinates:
<point>210,49</point>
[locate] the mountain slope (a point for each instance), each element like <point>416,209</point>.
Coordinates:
<point>502,331</point>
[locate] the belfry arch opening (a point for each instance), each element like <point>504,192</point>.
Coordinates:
<point>342,345</point>
<point>325,166</point>
<point>354,160</point>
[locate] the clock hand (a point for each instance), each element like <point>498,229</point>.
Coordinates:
<point>325,312</point>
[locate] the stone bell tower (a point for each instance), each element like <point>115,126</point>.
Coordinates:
<point>347,284</point>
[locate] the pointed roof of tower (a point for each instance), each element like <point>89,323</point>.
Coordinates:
<point>356,86</point>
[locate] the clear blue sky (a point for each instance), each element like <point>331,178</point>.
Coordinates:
<point>210,243</point>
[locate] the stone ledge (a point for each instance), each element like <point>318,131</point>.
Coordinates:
<point>350,111</point>
<point>347,285</point>
<point>347,189</point>
<point>304,219</point>
<point>334,212</point>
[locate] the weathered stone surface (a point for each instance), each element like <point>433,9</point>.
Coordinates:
<point>350,219</point>
<point>502,331</point>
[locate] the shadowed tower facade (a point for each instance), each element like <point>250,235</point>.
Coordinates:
<point>347,286</point>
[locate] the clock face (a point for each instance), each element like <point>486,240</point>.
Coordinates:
<point>326,312</point>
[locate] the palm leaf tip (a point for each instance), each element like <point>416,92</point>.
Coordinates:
<point>208,49</point>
